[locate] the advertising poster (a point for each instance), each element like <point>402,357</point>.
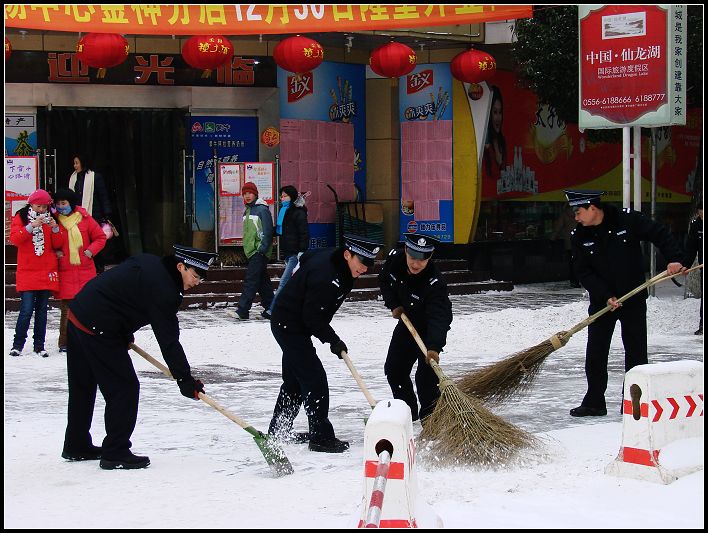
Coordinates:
<point>530,154</point>
<point>233,140</point>
<point>20,134</point>
<point>323,141</point>
<point>425,100</point>
<point>21,180</point>
<point>632,65</point>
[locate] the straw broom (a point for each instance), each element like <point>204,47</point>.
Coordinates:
<point>461,430</point>
<point>499,381</point>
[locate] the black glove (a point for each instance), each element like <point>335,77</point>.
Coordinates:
<point>397,312</point>
<point>338,347</point>
<point>190,387</point>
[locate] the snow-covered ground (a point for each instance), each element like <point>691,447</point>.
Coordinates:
<point>207,472</point>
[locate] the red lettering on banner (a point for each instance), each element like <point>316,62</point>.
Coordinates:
<point>161,68</point>
<point>419,81</point>
<point>66,68</point>
<point>300,86</point>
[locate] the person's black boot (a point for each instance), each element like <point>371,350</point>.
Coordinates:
<point>126,460</point>
<point>333,445</point>
<point>584,410</point>
<point>87,454</point>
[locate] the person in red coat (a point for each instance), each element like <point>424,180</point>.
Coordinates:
<point>84,239</point>
<point>35,233</point>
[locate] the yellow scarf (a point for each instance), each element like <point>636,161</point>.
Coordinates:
<point>76,241</point>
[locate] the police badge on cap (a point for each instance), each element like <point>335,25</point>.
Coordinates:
<point>365,249</point>
<point>577,198</point>
<point>200,260</point>
<point>420,246</point>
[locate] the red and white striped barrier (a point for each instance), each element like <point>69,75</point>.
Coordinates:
<point>390,429</point>
<point>662,431</point>
<point>373,516</point>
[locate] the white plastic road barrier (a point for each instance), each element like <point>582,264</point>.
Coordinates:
<point>390,428</point>
<point>662,431</point>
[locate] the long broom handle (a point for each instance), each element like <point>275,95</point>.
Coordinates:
<point>359,380</point>
<point>436,367</point>
<point>203,397</point>
<point>653,281</point>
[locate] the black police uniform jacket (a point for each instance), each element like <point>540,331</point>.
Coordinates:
<point>608,257</point>
<point>143,289</point>
<point>311,297</point>
<point>423,297</point>
<point>694,243</point>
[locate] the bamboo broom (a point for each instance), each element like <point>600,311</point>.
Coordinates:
<point>499,381</point>
<point>460,430</point>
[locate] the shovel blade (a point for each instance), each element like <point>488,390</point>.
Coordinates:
<point>274,455</point>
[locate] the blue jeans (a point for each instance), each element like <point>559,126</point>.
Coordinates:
<point>30,301</point>
<point>290,264</point>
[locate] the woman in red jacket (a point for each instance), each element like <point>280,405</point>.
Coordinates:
<point>84,239</point>
<point>36,234</point>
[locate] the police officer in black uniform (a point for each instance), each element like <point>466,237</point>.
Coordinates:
<point>694,245</point>
<point>144,289</point>
<point>410,282</point>
<point>305,307</point>
<point>608,261</point>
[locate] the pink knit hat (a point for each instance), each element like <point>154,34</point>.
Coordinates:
<point>249,186</point>
<point>40,197</point>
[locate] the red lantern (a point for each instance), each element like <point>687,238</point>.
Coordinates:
<point>298,54</point>
<point>207,52</point>
<point>8,49</point>
<point>392,60</point>
<point>102,51</point>
<point>473,66</point>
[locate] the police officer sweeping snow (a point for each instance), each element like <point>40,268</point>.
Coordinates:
<point>410,282</point>
<point>607,257</point>
<point>144,289</point>
<point>305,307</point>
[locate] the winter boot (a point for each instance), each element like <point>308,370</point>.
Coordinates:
<point>90,454</point>
<point>15,352</point>
<point>127,460</point>
<point>333,445</point>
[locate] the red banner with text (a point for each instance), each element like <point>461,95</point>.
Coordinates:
<point>244,19</point>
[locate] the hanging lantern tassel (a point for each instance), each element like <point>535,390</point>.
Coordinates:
<point>101,73</point>
<point>8,49</point>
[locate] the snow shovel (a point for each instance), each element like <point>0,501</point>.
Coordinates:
<point>273,454</point>
<point>501,380</point>
<point>359,381</point>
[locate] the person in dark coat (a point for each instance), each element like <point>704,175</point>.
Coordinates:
<point>305,307</point>
<point>103,316</point>
<point>291,227</point>
<point>412,284</point>
<point>608,260</point>
<point>694,246</point>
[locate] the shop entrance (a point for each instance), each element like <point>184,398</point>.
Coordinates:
<point>139,152</point>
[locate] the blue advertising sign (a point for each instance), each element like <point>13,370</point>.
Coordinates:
<point>425,110</point>
<point>333,93</point>
<point>233,139</point>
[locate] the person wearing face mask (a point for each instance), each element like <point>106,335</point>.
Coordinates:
<point>36,235</point>
<point>84,239</point>
<point>291,228</point>
<point>411,283</point>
